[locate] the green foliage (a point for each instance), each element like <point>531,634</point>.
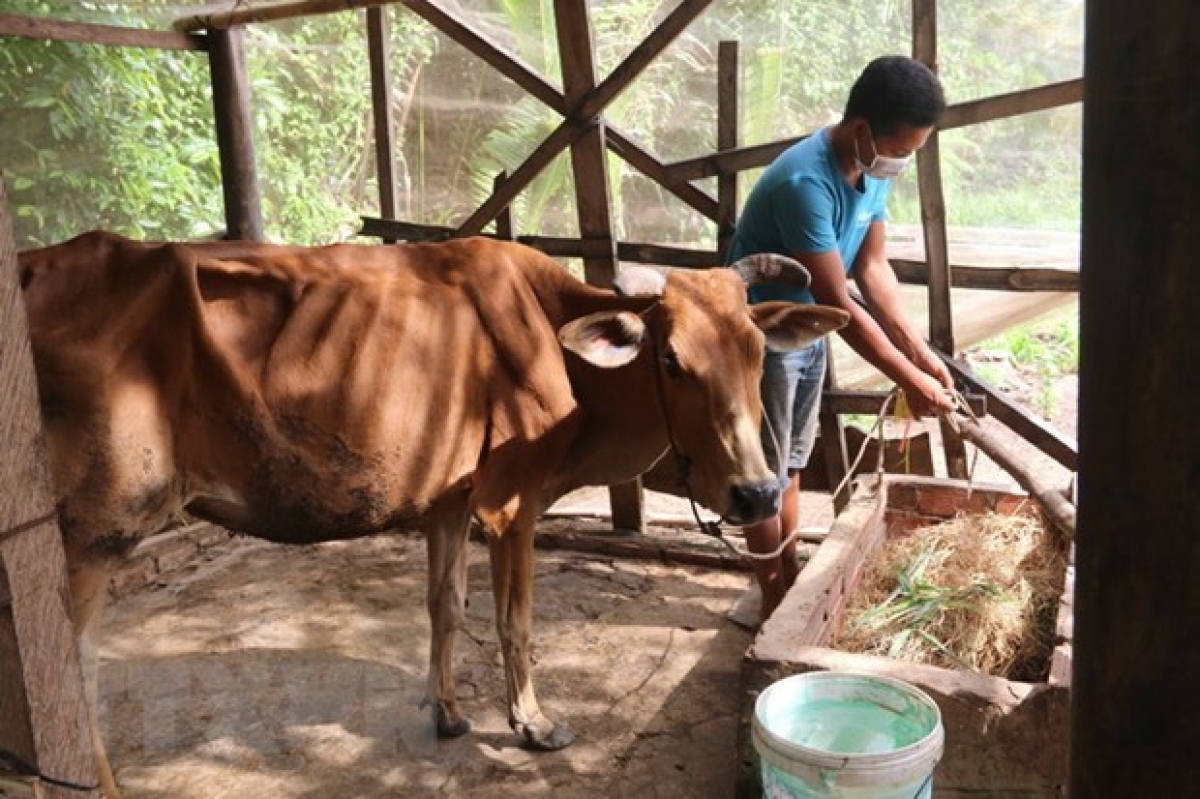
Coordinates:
<point>118,135</point>
<point>1046,350</point>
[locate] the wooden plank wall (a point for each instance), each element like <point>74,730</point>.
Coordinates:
<point>1136,671</point>
<point>43,716</point>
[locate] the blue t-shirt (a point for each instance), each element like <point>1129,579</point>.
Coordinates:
<point>802,203</point>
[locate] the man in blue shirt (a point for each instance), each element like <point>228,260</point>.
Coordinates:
<point>823,202</point>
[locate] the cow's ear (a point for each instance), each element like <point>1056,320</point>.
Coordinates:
<point>607,339</point>
<point>792,325</point>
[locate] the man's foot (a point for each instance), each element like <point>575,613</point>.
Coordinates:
<point>747,613</point>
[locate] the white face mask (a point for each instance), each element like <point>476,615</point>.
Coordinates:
<point>881,167</point>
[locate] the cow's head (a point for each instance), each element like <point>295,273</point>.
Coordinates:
<point>707,347</point>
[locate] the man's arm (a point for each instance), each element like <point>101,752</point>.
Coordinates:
<point>865,335</point>
<point>881,291</point>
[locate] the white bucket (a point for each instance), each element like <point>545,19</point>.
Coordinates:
<point>850,736</point>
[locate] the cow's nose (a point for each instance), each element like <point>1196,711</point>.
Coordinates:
<point>753,502</point>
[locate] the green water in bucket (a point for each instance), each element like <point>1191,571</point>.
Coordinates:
<point>847,736</point>
<point>851,727</point>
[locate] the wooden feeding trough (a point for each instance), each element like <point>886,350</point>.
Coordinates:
<point>1001,735</point>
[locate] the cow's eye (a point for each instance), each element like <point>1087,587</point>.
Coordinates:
<point>671,363</point>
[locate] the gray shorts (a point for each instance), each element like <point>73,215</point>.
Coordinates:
<point>791,395</point>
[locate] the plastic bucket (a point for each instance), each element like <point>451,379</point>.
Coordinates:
<point>851,736</point>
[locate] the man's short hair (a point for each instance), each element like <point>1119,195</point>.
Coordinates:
<point>896,90</point>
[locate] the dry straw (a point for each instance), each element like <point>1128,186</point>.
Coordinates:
<point>975,592</point>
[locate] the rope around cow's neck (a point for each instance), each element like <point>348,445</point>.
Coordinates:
<point>684,464</point>
<point>713,528</point>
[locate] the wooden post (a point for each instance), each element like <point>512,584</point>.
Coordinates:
<point>43,714</point>
<point>728,122</point>
<point>933,223</point>
<point>592,202</point>
<point>235,134</point>
<point>504,220</point>
<point>1135,704</point>
<point>833,437</point>
<point>379,51</point>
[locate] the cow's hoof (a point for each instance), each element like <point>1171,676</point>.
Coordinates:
<point>451,726</point>
<point>559,737</point>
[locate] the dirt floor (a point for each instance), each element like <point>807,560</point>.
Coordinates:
<point>266,671</point>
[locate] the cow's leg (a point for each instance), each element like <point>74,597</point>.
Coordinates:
<point>512,584</point>
<point>446,602</point>
<point>89,589</point>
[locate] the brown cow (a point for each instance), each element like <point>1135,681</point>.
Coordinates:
<point>305,395</point>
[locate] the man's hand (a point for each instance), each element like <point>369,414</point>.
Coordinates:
<point>926,396</point>
<point>928,362</point>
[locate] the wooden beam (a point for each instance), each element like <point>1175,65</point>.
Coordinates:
<point>43,714</point>
<point>505,229</point>
<point>1019,278</point>
<point>933,226</point>
<point>844,401</point>
<point>379,50</point>
<point>592,201</point>
<point>235,135</point>
<point>1014,278</point>
<point>562,138</point>
<point>665,255</point>
<point>1135,685</point>
<point>728,161</point>
<point>1002,106</point>
<point>728,119</point>
<point>588,163</point>
<point>90,33</point>
<point>933,203</point>
<point>634,252</point>
<point>640,159</point>
<point>241,15</point>
<point>833,436</point>
<point>959,115</point>
<point>1052,502</point>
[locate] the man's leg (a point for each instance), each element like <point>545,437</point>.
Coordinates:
<point>762,538</point>
<point>789,522</point>
<point>776,392</point>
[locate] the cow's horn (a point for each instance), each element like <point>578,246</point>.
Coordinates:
<point>773,268</point>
